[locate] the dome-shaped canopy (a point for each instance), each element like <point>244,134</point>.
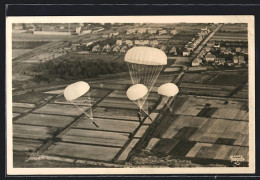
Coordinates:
<point>168,89</point>
<point>75,90</point>
<point>146,56</point>
<point>136,92</point>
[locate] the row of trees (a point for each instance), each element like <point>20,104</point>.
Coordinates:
<point>78,69</point>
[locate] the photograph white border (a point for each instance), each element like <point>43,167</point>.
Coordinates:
<point>131,19</point>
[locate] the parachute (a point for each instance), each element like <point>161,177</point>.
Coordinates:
<point>145,65</point>
<point>137,92</point>
<point>76,90</point>
<point>168,90</point>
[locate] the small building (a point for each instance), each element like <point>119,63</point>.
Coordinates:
<point>106,48</point>
<point>241,60</point>
<point>162,32</point>
<point>208,49</point>
<point>185,53</point>
<point>129,43</point>
<point>238,49</point>
<point>173,51</point>
<point>210,57</point>
<point>235,60</point>
<point>96,48</point>
<point>131,31</point>
<point>196,62</point>
<point>141,30</point>
<point>173,32</point>
<point>141,42</point>
<point>151,31</point>
<point>119,42</point>
<point>154,43</point>
<point>114,34</point>
<point>123,49</point>
<point>116,49</point>
<point>222,49</point>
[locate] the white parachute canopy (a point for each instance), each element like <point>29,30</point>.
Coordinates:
<point>137,92</point>
<point>75,90</point>
<point>145,65</point>
<point>168,89</point>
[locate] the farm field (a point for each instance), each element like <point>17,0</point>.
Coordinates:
<point>18,52</point>
<point>205,123</point>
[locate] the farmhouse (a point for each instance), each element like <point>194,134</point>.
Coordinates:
<point>116,49</point>
<point>235,60</point>
<point>220,61</point>
<point>154,43</point>
<point>130,31</point>
<point>173,32</point>
<point>238,49</point>
<point>173,51</point>
<point>241,60</point>
<point>114,34</point>
<point>141,30</point>
<point>186,52</point>
<point>152,31</point>
<point>162,32</point>
<point>106,48</point>
<point>208,49</point>
<point>96,48</point>
<point>210,57</point>
<point>129,43</point>
<point>119,42</point>
<point>196,62</point>
<point>141,42</point>
<point>123,49</point>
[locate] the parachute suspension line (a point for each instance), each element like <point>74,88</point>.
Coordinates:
<point>130,72</point>
<point>85,113</point>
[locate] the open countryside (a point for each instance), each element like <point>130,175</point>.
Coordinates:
<point>204,125</point>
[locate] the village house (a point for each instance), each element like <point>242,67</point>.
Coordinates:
<point>131,31</point>
<point>173,32</point>
<point>173,51</point>
<point>235,60</point>
<point>106,48</point>
<point>123,49</point>
<point>207,49</point>
<point>116,49</point>
<point>114,34</point>
<point>190,48</point>
<point>241,60</point>
<point>210,57</point>
<point>151,31</point>
<point>244,51</point>
<point>196,62</point>
<point>163,48</point>
<point>129,43</point>
<point>96,48</point>
<point>141,30</point>
<point>185,53</point>
<point>220,61</point>
<point>141,42</point>
<point>222,49</point>
<point>162,32</point>
<point>154,43</point>
<point>229,62</point>
<point>119,42</point>
<point>238,49</point>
